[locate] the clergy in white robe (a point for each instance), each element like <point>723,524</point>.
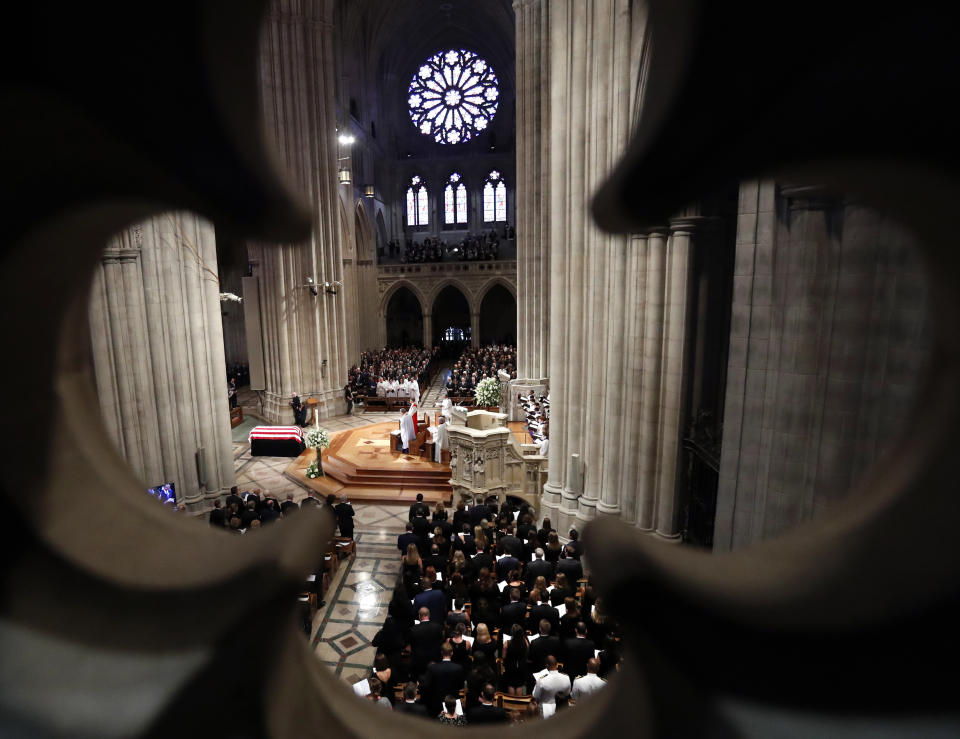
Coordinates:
<point>408,430</point>
<point>447,409</point>
<point>415,391</point>
<point>442,441</point>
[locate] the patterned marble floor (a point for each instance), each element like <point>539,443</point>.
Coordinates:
<point>357,600</point>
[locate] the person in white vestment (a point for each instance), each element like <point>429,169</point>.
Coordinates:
<point>407,429</point>
<point>544,445</point>
<point>404,391</point>
<point>415,390</point>
<point>442,441</point>
<point>447,409</point>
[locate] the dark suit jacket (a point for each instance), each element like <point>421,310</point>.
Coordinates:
<point>420,507</point>
<point>442,678</point>
<point>571,568</point>
<point>404,540</point>
<point>287,506</point>
<point>421,527</point>
<point>414,709</point>
<point>541,648</point>
<point>511,545</point>
<point>537,568</point>
<point>425,639</point>
<point>345,515</point>
<point>477,563</point>
<point>513,613</point>
<point>506,564</point>
<point>538,613</point>
<point>486,715</point>
<point>478,513</point>
<point>436,601</point>
<point>218,517</point>
<point>233,499</point>
<point>576,652</point>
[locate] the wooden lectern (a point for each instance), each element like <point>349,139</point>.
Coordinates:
<point>312,417</point>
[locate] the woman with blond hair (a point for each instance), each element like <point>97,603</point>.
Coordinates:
<point>484,643</point>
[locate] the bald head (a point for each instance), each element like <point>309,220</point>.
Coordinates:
<point>593,666</point>
<point>551,662</point>
<point>424,614</point>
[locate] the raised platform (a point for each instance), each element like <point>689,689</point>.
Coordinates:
<point>360,463</point>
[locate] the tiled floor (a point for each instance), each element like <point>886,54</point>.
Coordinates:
<point>356,603</point>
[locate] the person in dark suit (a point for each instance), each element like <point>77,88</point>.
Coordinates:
<point>410,704</point>
<point>577,651</point>
<point>442,678</point>
<point>418,509</point>
<point>539,567</point>
<point>406,539</point>
<point>460,516</point>
<point>540,611</point>
<point>570,566</point>
<point>299,410</point>
<point>217,516</point>
<point>249,514</point>
<point>270,512</point>
<point>478,513</point>
<point>425,639</point>
<point>345,514</point>
<point>421,529</point>
<point>288,506</point>
<point>542,647</point>
<point>435,559</point>
<point>510,544</point>
<point>507,564</point>
<point>433,599</point>
<point>575,543</point>
<point>486,712</point>
<point>482,560</point>
<point>234,498</point>
<point>515,612</point>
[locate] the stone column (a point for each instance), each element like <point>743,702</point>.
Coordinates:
<point>590,80</point>
<point>533,200</point>
<point>474,329</point>
<point>305,338</point>
<point>159,358</point>
<point>427,330</point>
<point>672,400</point>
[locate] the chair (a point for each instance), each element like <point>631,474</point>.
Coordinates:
<point>515,705</point>
<point>345,547</point>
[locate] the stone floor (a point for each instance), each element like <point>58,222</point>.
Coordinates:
<point>356,602</point>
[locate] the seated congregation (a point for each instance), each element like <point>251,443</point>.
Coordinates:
<point>492,620</point>
<point>478,363</point>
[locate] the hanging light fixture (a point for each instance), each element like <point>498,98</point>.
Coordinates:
<point>369,191</point>
<point>344,175</point>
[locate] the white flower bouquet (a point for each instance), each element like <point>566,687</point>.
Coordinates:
<point>313,471</point>
<point>487,392</point>
<point>317,438</point>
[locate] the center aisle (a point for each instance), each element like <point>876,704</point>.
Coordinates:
<point>360,594</point>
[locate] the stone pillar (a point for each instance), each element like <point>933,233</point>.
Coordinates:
<point>159,359</point>
<point>672,400</point>
<point>591,63</point>
<point>427,330</point>
<point>305,338</point>
<point>533,198</point>
<point>474,329</point>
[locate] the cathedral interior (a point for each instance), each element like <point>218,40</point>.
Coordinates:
<point>706,242</point>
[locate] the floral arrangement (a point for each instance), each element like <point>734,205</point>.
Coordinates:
<point>313,471</point>
<point>487,392</point>
<point>317,438</point>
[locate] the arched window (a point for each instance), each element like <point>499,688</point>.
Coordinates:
<point>494,198</point>
<point>455,201</point>
<point>418,209</point>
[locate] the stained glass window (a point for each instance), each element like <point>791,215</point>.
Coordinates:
<point>494,198</point>
<point>418,209</point>
<point>453,96</point>
<point>455,200</point>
